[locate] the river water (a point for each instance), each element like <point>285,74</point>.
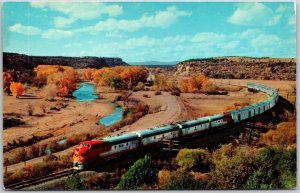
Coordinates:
<point>87,92</point>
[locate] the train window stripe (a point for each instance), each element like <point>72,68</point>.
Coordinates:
<point>114,142</point>
<point>194,124</point>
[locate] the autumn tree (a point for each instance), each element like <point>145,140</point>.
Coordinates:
<point>63,78</point>
<point>17,89</point>
<point>283,136</point>
<point>121,77</point>
<point>7,79</point>
<point>88,74</point>
<point>44,71</point>
<point>194,83</point>
<point>164,83</point>
<point>67,83</point>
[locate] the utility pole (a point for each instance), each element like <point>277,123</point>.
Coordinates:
<point>171,145</point>
<point>249,127</point>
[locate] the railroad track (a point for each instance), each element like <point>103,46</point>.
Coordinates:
<point>39,180</point>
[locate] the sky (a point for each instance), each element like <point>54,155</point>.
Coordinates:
<point>161,31</point>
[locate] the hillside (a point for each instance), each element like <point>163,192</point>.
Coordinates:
<point>154,63</point>
<point>241,67</point>
<point>21,61</point>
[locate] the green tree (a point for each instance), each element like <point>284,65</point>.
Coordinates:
<point>142,172</point>
<point>194,159</point>
<point>180,180</point>
<point>275,168</point>
<point>232,166</point>
<point>74,182</point>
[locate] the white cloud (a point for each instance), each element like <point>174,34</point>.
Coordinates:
<point>254,14</point>
<point>26,30</point>
<point>56,34</point>
<point>78,10</point>
<point>61,22</point>
<point>81,10</point>
<point>251,42</point>
<point>161,19</point>
<point>208,37</point>
<point>265,41</point>
<point>250,33</point>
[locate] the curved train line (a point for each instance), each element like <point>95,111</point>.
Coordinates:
<point>103,149</point>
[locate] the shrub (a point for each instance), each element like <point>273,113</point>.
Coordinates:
<point>74,182</point>
<point>141,172</point>
<point>140,86</point>
<point>145,95</point>
<point>175,92</point>
<point>49,92</point>
<point>275,168</point>
<point>17,89</point>
<point>157,93</point>
<point>194,159</point>
<point>30,109</point>
<point>232,166</point>
<point>283,136</point>
<point>179,180</point>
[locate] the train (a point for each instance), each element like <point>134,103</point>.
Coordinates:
<point>103,149</point>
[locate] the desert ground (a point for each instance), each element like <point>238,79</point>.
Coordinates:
<point>78,117</point>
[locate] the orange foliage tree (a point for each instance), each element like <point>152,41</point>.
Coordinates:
<point>122,77</point>
<point>44,71</point>
<point>88,73</point>
<point>17,89</point>
<point>194,83</point>
<point>63,77</point>
<point>283,136</point>
<point>67,84</point>
<point>7,79</point>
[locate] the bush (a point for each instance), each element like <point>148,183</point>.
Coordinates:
<point>74,182</point>
<point>141,172</point>
<point>30,109</point>
<point>17,89</point>
<point>175,92</point>
<point>140,86</point>
<point>275,169</point>
<point>191,159</point>
<point>157,93</point>
<point>232,166</point>
<point>178,180</point>
<point>283,136</point>
<point>49,92</point>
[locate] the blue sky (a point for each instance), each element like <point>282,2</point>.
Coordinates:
<point>150,31</point>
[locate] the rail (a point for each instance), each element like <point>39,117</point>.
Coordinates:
<point>39,180</point>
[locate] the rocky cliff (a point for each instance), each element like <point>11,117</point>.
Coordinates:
<point>241,67</point>
<point>21,61</point>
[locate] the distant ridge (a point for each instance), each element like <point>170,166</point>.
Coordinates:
<point>241,67</point>
<point>154,63</point>
<point>22,61</point>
